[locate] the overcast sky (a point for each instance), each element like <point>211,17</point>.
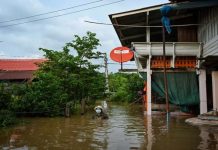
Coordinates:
<point>23,41</point>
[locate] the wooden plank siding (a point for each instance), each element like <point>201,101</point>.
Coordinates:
<point>187,34</point>
<point>208,31</point>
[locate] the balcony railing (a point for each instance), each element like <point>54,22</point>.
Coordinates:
<point>172,48</point>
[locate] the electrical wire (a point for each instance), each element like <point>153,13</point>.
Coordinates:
<point>137,26</point>
<point>119,64</point>
<point>50,12</point>
<point>15,24</point>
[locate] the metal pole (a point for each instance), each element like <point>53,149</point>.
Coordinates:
<point>106,73</point>
<point>121,60</point>
<point>165,77</point>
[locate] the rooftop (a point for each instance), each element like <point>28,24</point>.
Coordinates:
<point>20,64</point>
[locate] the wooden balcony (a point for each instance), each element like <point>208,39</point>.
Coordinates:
<point>178,54</point>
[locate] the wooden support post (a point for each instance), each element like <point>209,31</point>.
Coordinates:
<point>83,106</point>
<point>67,110</point>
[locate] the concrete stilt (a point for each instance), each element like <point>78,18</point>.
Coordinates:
<point>203,91</point>
<point>149,133</point>
<point>215,89</point>
<point>148,88</point>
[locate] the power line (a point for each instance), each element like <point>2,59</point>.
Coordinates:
<point>5,26</point>
<point>137,26</point>
<point>119,64</point>
<point>50,12</point>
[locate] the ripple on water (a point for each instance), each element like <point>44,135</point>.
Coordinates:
<point>125,129</point>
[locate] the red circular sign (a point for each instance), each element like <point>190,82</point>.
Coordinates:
<point>121,54</point>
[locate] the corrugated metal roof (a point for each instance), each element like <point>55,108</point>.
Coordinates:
<point>194,4</point>
<point>20,64</point>
<point>184,12</point>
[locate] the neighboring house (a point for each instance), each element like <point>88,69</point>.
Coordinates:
<point>18,70</point>
<point>191,51</point>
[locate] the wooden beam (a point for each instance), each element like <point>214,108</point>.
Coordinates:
<point>133,37</point>
<point>128,13</point>
<point>148,33</point>
<point>157,20</point>
<point>119,32</point>
<point>118,28</point>
<point>135,24</point>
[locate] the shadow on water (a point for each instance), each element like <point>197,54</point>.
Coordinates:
<point>126,128</point>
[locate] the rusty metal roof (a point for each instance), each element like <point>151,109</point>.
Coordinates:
<point>18,69</point>
<point>20,64</point>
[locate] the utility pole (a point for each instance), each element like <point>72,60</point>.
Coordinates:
<point>165,74</point>
<point>121,55</point>
<point>106,73</point>
<point>166,24</point>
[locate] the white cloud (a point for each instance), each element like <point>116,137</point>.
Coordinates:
<point>24,40</point>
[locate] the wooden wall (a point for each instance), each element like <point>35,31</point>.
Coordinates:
<point>187,34</point>
<point>208,30</point>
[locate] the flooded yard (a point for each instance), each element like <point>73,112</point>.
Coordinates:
<point>125,129</point>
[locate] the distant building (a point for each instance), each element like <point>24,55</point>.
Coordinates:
<point>18,70</point>
<point>191,51</point>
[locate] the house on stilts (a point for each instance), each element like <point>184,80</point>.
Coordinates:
<point>191,52</point>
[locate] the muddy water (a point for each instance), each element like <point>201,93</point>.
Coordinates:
<point>125,129</point>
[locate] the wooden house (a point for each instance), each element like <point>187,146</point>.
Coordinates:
<point>191,51</point>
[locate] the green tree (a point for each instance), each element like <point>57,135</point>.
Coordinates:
<point>125,87</point>
<point>65,77</point>
<point>7,117</point>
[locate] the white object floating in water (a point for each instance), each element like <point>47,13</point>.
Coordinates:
<point>98,111</point>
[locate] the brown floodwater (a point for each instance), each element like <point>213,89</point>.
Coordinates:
<point>125,129</point>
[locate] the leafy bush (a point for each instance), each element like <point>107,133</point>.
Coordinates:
<point>6,118</point>
<point>125,87</point>
<point>5,96</point>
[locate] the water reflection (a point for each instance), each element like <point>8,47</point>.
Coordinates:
<point>209,137</point>
<point>126,128</point>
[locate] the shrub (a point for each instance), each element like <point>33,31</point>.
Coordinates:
<point>6,118</point>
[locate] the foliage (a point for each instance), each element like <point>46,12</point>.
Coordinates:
<point>5,97</point>
<point>6,118</point>
<point>65,78</point>
<point>125,87</point>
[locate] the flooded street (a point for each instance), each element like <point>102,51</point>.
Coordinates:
<point>125,129</point>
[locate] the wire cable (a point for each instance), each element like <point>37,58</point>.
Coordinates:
<point>50,12</point>
<point>15,24</point>
<point>119,64</point>
<point>137,26</point>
